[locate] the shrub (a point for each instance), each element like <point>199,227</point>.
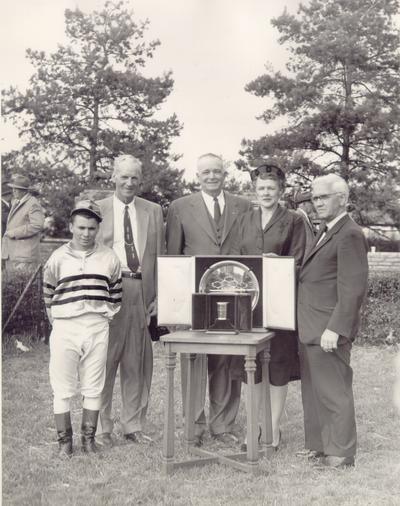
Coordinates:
<point>382,244</point>
<point>30,317</point>
<point>380,315</point>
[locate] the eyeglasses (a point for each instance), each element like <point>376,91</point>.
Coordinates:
<point>323,198</point>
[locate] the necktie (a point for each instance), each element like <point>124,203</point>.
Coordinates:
<point>132,258</point>
<point>217,211</point>
<point>321,233</point>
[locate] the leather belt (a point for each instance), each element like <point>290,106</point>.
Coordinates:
<point>132,275</point>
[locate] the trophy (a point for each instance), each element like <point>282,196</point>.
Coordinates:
<point>228,291</point>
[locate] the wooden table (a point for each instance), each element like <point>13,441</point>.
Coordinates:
<point>192,343</point>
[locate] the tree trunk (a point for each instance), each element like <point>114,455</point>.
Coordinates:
<point>347,130</point>
<point>93,142</point>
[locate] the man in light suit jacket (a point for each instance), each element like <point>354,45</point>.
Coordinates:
<point>21,241</point>
<point>332,287</point>
<point>133,227</point>
<point>205,223</point>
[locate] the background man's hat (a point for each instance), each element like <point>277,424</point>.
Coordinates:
<point>20,182</point>
<point>303,197</point>
<point>267,170</point>
<point>88,206</point>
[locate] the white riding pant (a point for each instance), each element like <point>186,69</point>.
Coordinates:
<point>78,352</point>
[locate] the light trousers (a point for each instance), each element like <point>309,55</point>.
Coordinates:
<point>78,353</point>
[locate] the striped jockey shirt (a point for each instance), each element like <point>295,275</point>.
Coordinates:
<point>82,282</point>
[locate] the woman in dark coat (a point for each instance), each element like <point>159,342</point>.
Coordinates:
<point>271,228</point>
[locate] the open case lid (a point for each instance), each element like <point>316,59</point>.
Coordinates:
<point>279,292</point>
<point>175,285</point>
<point>177,278</point>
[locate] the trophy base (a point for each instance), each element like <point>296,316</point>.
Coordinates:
<point>222,331</point>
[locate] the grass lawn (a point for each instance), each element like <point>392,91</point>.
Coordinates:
<point>130,474</point>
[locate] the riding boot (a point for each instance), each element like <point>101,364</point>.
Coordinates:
<point>64,433</point>
<point>88,430</point>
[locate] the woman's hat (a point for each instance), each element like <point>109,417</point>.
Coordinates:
<point>265,171</point>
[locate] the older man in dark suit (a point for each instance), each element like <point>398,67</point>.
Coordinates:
<point>133,228</point>
<point>332,287</point>
<point>205,223</point>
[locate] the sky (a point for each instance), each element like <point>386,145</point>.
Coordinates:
<point>213,47</point>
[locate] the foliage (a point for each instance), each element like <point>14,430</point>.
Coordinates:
<point>339,98</point>
<point>30,318</point>
<point>380,315</point>
<point>231,185</point>
<point>89,101</point>
<point>383,244</point>
<point>56,186</point>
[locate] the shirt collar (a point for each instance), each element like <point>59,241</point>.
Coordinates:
<point>333,222</point>
<point>209,199</point>
<point>121,205</point>
<point>79,253</point>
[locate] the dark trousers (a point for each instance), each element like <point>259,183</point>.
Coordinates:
<point>224,392</point>
<point>328,404</point>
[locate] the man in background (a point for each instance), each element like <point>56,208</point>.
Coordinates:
<point>133,228</point>
<point>305,209</point>
<point>21,240</point>
<point>6,195</point>
<point>205,223</point>
<point>331,290</point>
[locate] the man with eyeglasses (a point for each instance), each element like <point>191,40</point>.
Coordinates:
<point>332,287</point>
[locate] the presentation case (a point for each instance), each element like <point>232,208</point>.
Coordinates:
<point>270,280</point>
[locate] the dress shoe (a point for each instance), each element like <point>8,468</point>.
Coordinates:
<point>315,456</point>
<point>226,438</point>
<point>334,462</point>
<point>138,437</point>
<point>198,440</point>
<point>105,440</point>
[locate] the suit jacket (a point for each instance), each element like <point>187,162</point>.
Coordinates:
<point>24,223</point>
<point>333,283</point>
<point>283,235</point>
<point>310,234</point>
<point>5,209</point>
<point>150,238</point>
<point>189,229</point>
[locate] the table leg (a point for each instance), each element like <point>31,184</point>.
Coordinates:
<point>252,432</point>
<point>169,417</point>
<point>266,422</point>
<point>190,400</point>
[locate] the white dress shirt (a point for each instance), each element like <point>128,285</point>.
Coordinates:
<point>209,202</point>
<point>119,240</point>
<point>331,224</point>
